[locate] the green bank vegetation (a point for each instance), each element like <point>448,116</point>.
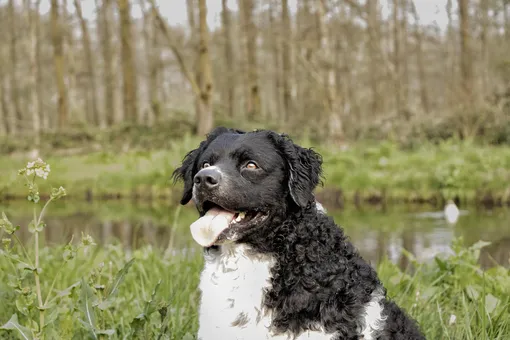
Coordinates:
<point>444,169</point>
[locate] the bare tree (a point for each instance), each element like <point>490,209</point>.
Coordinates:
<point>396,55</point>
<point>32,13</point>
<point>372,9</point>
<point>105,18</point>
<point>129,92</point>
<point>484,36</point>
<point>286,39</point>
<point>465,50</point>
<point>90,64</point>
<point>59,63</point>
<point>205,117</point>
<point>229,58</point>
<point>13,69</point>
<point>418,35</point>
<point>250,43</point>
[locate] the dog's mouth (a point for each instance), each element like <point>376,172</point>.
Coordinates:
<point>219,224</point>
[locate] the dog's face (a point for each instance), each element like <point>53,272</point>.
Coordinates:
<point>249,177</point>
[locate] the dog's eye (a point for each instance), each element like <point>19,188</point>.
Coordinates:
<point>251,165</point>
<point>205,165</point>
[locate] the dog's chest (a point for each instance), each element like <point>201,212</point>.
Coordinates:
<point>233,284</point>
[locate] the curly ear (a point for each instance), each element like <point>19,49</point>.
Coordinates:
<point>188,168</point>
<point>304,170</point>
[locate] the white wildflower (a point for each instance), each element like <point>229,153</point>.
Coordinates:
<point>452,319</point>
<point>37,167</point>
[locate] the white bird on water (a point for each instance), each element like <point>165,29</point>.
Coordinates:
<point>451,212</point>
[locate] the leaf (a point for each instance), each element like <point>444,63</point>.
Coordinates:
<point>472,292</point>
<point>491,302</point>
<point>108,332</point>
<point>188,336</point>
<point>13,324</point>
<point>87,301</point>
<point>443,266</point>
<point>121,274</point>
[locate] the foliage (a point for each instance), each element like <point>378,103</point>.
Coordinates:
<point>446,168</point>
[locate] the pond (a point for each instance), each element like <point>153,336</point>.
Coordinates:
<point>376,231</point>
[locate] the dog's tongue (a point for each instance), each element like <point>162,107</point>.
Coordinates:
<point>207,229</point>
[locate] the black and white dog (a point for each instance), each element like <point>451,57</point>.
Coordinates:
<point>276,266</point>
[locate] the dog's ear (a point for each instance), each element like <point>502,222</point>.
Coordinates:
<point>188,168</point>
<point>305,170</point>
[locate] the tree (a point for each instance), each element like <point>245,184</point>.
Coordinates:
<point>13,69</point>
<point>372,9</point>
<point>250,48</point>
<point>32,13</point>
<point>465,51</point>
<point>205,116</point>
<point>203,90</point>
<point>418,35</point>
<point>229,58</point>
<point>59,64</point>
<point>105,17</point>
<point>129,92</point>
<point>286,61</point>
<point>90,64</point>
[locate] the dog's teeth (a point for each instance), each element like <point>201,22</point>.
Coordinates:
<point>238,219</point>
<point>242,215</point>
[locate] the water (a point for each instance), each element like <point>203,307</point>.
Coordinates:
<point>375,231</point>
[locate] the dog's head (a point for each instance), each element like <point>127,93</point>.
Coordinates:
<point>249,177</point>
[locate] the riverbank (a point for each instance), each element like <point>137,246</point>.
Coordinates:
<point>360,173</point>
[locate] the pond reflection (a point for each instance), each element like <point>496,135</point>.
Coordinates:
<point>378,233</point>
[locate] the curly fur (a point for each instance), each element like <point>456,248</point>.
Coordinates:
<point>316,283</point>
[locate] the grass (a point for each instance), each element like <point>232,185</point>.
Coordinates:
<point>157,296</point>
<point>82,291</point>
<point>449,168</point>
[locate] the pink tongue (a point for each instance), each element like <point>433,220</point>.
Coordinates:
<point>207,229</point>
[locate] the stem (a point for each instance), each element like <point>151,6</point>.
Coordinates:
<point>43,211</point>
<point>36,272</point>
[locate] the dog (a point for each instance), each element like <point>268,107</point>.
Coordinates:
<point>276,266</point>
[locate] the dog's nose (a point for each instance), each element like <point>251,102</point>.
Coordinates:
<point>209,178</point>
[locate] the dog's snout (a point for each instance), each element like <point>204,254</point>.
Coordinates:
<point>209,178</point>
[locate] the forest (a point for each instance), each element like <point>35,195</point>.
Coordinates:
<point>101,100</point>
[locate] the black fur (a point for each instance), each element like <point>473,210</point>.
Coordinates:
<point>319,279</point>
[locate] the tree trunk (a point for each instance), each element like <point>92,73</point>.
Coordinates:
<point>58,59</point>
<point>450,57</point>
<point>465,51</point>
<point>4,123</point>
<point>286,38</point>
<point>424,97</point>
<point>484,34</point>
<point>372,8</point>
<point>129,92</point>
<point>90,64</point>
<point>250,43</point>
<point>105,17</point>
<point>43,114</point>
<point>32,13</point>
<point>16,119</point>
<point>331,114</point>
<point>396,56</point>
<point>404,34</point>
<point>277,62</point>
<point>229,59</point>
<point>205,118</point>
<point>506,18</point>
<point>191,7</point>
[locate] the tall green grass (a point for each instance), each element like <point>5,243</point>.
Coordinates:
<point>157,298</point>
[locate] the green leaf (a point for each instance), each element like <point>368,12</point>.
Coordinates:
<point>491,302</point>
<point>108,332</point>
<point>472,292</point>
<point>443,266</point>
<point>87,307</point>
<point>121,274</point>
<point>14,325</point>
<point>6,225</point>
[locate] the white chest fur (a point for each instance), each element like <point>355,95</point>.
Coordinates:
<point>232,285</point>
